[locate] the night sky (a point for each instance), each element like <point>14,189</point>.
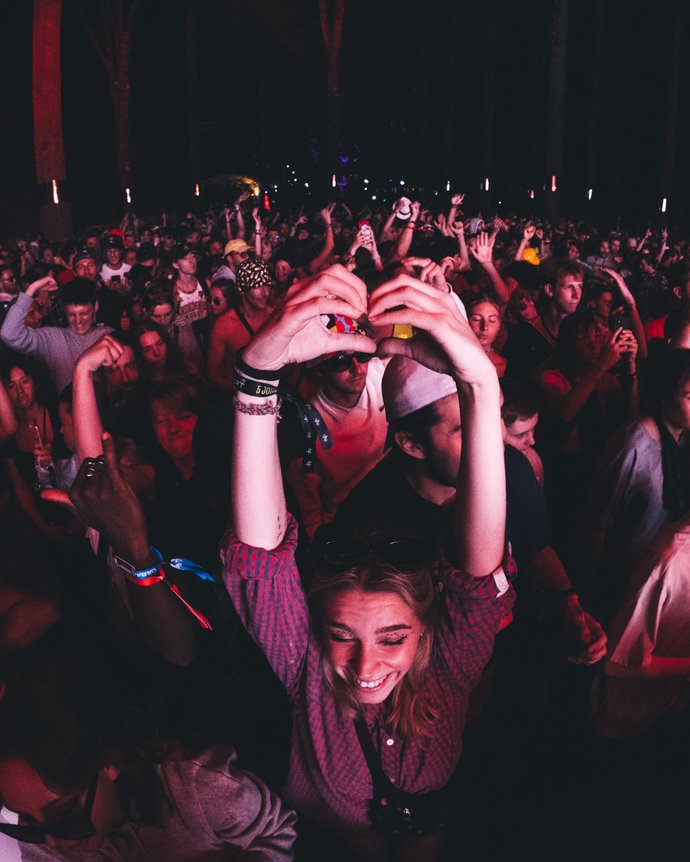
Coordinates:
<point>262,104</point>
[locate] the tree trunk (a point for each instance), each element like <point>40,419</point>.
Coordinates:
<point>333,39</point>
<point>555,132</point>
<point>47,92</point>
<point>450,83</point>
<point>595,99</point>
<point>112,41</point>
<point>667,188</point>
<point>487,158</point>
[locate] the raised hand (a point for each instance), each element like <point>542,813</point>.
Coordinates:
<point>295,331</point>
<point>103,353</point>
<point>481,248</point>
<point>429,271</point>
<point>47,283</point>
<point>446,343</point>
<point>587,637</point>
<point>528,231</point>
<point>105,501</point>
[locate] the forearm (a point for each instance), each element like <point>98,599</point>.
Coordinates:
<point>88,428</point>
<point>465,263</point>
<point>637,328</point>
<point>240,223</point>
<point>404,242</point>
<point>657,666</point>
<point>258,501</point>
<point>481,496</point>
<point>548,571</point>
<point>162,619</point>
<point>316,264</point>
<point>520,249</point>
<point>383,236</point>
<point>499,286</point>
<point>568,406</point>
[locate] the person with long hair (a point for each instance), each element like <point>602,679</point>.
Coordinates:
<point>157,353</point>
<point>485,316</point>
<point>36,443</point>
<point>378,662</point>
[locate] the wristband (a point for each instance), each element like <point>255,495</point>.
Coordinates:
<point>141,577</point>
<point>255,388</point>
<point>254,372</point>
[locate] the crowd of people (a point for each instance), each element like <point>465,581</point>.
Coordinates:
<point>299,506</point>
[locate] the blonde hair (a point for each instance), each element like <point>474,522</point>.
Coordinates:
<point>409,713</point>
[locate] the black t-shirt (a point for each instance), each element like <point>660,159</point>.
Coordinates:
<point>385,498</point>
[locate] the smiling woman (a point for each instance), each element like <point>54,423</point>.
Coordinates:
<point>380,655</point>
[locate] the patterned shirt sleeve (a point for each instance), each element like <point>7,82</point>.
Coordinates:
<point>474,609</point>
<point>266,590</point>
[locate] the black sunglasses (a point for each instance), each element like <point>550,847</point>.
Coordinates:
<point>74,828</point>
<point>343,361</point>
<point>405,554</point>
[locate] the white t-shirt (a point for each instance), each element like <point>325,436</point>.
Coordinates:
<point>107,272</point>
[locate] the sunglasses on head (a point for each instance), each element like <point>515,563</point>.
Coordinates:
<point>405,555</point>
<point>74,828</point>
<point>343,361</point>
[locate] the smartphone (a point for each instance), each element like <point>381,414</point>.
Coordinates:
<point>116,279</point>
<point>619,318</point>
<point>365,230</point>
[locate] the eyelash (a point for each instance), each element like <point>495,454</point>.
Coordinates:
<point>345,640</point>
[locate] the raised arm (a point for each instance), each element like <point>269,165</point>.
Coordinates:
<point>106,502</point>
<point>635,321</point>
<point>449,346</point>
<point>316,264</point>
<point>240,216</point>
<point>664,245</point>
<point>14,330</point>
<point>481,248</point>
<point>527,234</point>
<point>294,333</point>
<point>457,229</point>
<point>405,238</point>
<point>88,428</point>
<point>258,227</point>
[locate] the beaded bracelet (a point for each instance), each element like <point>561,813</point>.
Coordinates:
<point>257,409</point>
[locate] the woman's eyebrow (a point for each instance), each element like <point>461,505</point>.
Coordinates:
<point>394,628</point>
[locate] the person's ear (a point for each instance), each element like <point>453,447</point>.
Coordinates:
<point>677,293</point>
<point>548,290</point>
<point>95,307</point>
<point>409,445</point>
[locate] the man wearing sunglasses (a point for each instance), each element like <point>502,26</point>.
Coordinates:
<point>350,402</point>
